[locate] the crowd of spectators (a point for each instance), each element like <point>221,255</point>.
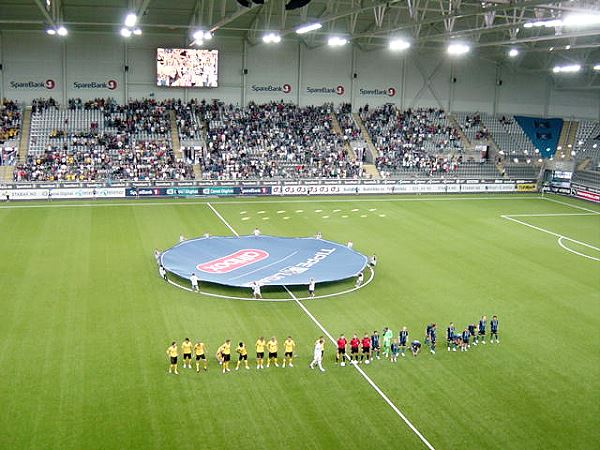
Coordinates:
<point>146,161</point>
<point>274,140</point>
<point>412,139</point>
<point>10,120</point>
<point>480,130</point>
<point>39,105</point>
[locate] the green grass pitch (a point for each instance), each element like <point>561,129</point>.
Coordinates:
<point>85,321</point>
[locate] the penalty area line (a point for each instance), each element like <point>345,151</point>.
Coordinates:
<point>359,369</point>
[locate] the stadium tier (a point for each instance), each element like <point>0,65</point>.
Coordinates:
<point>10,125</point>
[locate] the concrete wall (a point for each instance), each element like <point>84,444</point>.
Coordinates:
<point>36,65</point>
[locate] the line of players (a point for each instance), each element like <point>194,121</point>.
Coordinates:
<point>224,352</point>
<point>361,350</point>
<point>367,348</point>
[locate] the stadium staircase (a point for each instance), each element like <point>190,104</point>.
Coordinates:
<point>175,137</point>
<point>372,171</point>
<point>25,132</point>
<point>6,174</point>
<point>365,135</point>
<point>568,134</point>
<point>466,143</point>
<point>335,125</point>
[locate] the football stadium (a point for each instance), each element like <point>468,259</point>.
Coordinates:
<point>299,224</point>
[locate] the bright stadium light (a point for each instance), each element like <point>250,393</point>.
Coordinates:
<point>597,67</point>
<point>399,44</point>
<point>201,35</point>
<point>336,41</point>
<point>125,32</point>
<point>457,48</point>
<point>572,68</point>
<point>208,35</point>
<point>513,52</point>
<point>581,20</point>
<point>51,31</point>
<point>137,31</point>
<point>271,38</point>
<point>62,31</point>
<point>308,28</point>
<point>130,20</point>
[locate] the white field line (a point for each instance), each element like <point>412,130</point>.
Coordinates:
<point>362,372</point>
<point>551,215</point>
<point>543,230</point>
<point>222,219</point>
<point>571,205</point>
<point>560,242</point>
<point>250,200</point>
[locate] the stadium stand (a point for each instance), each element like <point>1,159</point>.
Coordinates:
<point>274,140</point>
<point>10,125</point>
<point>587,144</point>
<point>99,140</point>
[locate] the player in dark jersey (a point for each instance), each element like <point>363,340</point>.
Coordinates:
<point>341,349</point>
<point>415,347</point>
<point>432,337</point>
<point>465,340</point>
<point>427,339</point>
<point>494,330</point>
<point>375,348</point>
<point>403,339</point>
<point>481,329</point>
<point>450,337</point>
<point>472,333</point>
<point>457,340</point>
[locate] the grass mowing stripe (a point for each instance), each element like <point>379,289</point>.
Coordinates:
<point>362,372</point>
<point>551,232</point>
<point>322,328</point>
<point>570,204</point>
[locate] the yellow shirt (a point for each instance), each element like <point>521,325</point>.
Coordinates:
<point>199,348</point>
<point>272,346</point>
<point>242,350</point>
<point>225,349</point>
<point>172,351</point>
<point>260,346</point>
<point>186,347</point>
<point>289,345</point>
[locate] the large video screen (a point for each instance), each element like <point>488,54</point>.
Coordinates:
<point>185,67</point>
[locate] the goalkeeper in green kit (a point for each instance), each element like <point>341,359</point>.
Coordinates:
<point>387,341</point>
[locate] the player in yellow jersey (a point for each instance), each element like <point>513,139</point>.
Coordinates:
<point>272,346</point>
<point>224,355</point>
<point>243,356</point>
<point>172,354</point>
<point>288,348</point>
<point>200,351</point>
<point>186,349</point>
<point>260,352</point>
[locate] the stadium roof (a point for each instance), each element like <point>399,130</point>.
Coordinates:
<point>492,26</point>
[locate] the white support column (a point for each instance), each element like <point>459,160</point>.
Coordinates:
<point>451,90</point>
<point>2,95</point>
<point>403,83</point>
<point>547,96</point>
<point>244,76</point>
<point>299,75</point>
<point>64,72</point>
<point>496,89</point>
<point>125,73</point>
<point>352,79</point>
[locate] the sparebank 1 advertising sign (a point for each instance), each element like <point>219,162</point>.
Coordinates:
<point>32,84</point>
<point>284,88</point>
<point>326,90</point>
<point>110,85</point>
<point>377,92</point>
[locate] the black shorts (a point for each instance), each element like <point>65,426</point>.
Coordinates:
<point>311,291</point>
<point>376,348</point>
<point>342,351</point>
<point>199,357</point>
<point>173,359</point>
<point>288,354</point>
<point>272,355</point>
<point>354,350</point>
<point>494,332</point>
<point>366,349</point>
<point>243,358</point>
<point>260,355</point>
<point>403,344</point>
<point>226,358</point>
<point>187,356</point>
<point>481,332</point>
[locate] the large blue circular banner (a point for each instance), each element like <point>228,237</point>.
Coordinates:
<point>268,260</point>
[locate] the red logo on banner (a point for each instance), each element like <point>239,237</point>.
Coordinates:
<point>286,88</point>
<point>234,261</point>
<point>49,84</point>
<point>111,84</point>
<point>391,92</point>
<point>339,90</point>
